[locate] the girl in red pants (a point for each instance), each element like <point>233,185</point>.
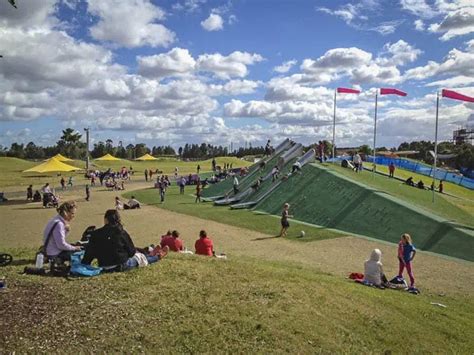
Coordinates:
<point>406,253</point>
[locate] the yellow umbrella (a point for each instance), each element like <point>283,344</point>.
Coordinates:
<point>108,157</point>
<point>50,166</point>
<point>62,158</point>
<point>146,157</point>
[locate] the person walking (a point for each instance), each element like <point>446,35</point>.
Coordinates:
<point>29,193</point>
<point>198,168</point>
<point>146,175</point>
<point>88,193</point>
<point>198,191</point>
<point>182,184</point>
<point>285,224</point>
<point>391,170</point>
<point>63,183</point>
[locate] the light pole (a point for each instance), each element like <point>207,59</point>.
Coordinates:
<point>87,148</point>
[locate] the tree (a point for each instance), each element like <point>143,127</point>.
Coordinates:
<point>17,151</point>
<point>365,149</point>
<point>70,144</point>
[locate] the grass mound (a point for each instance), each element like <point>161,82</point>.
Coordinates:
<point>197,304</point>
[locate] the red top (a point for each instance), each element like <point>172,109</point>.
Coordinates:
<point>204,246</point>
<point>174,244</point>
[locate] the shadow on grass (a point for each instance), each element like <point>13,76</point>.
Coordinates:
<point>12,202</point>
<point>22,262</point>
<point>265,238</point>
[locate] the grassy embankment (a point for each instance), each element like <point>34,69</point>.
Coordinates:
<point>458,208</point>
<point>197,304</point>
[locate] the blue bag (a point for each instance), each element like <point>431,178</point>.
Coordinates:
<point>79,269</point>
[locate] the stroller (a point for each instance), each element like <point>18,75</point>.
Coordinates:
<point>5,259</point>
<point>50,200</point>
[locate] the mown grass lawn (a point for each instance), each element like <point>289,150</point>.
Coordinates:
<point>12,178</point>
<point>192,304</point>
<point>240,218</point>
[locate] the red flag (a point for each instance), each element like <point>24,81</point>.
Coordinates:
<point>456,96</point>
<point>387,91</point>
<point>347,91</point>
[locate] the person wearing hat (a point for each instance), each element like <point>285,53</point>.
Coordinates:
<point>284,220</point>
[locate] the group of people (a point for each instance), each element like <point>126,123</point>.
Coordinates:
<point>373,267</point>
<point>111,245</point>
<point>421,185</point>
<point>49,197</point>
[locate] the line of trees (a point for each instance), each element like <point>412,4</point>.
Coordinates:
<point>70,145</point>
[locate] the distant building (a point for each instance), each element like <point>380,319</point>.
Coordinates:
<point>463,135</point>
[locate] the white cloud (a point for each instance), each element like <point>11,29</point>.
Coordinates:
<point>455,63</point>
<point>177,61</point>
<point>456,81</point>
<point>224,67</point>
<point>398,53</point>
<point>139,28</point>
<point>32,14</point>
<point>419,25</point>
<point>418,8</point>
<point>386,28</point>
<point>189,5</point>
<point>456,23</point>
<point>285,66</point>
<point>213,23</point>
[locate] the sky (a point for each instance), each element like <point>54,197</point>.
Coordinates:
<point>235,71</point>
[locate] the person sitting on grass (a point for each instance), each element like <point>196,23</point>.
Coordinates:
<point>113,248</point>
<point>420,185</point>
<point>173,242</point>
<point>119,205</point>
<point>37,196</point>
<point>204,245</point>
<point>373,270</point>
<point>54,235</point>
<point>133,203</point>
<point>409,181</point>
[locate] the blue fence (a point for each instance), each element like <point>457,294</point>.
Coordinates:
<point>423,169</point>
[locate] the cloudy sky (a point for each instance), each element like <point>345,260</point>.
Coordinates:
<point>169,72</point>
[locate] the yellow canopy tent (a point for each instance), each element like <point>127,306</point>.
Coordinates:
<point>146,157</point>
<point>107,157</point>
<point>50,166</point>
<point>62,158</point>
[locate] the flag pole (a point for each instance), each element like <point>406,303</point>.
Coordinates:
<point>436,146</point>
<point>334,129</point>
<point>375,130</point>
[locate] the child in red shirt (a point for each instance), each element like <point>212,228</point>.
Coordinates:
<point>172,242</point>
<point>204,245</point>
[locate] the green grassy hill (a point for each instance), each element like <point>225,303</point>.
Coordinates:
<point>192,304</point>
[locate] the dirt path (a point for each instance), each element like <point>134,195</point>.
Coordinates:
<point>23,224</point>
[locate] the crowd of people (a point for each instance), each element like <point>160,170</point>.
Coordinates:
<point>111,245</point>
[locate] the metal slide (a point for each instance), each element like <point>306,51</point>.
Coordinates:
<point>293,152</point>
<point>286,144</point>
<point>308,157</point>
